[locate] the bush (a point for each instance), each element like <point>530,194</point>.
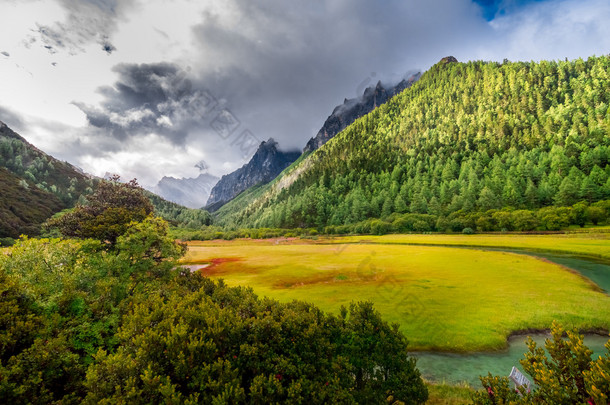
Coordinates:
<point>7,242</point>
<point>467,231</point>
<point>568,377</point>
<point>224,345</point>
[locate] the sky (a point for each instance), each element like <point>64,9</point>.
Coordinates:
<point>153,88</point>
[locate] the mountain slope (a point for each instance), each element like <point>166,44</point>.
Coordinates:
<point>34,185</point>
<point>343,115</point>
<point>464,138</point>
<point>189,192</point>
<point>23,207</point>
<point>265,165</point>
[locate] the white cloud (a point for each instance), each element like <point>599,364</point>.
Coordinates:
<point>279,67</point>
<point>554,30</point>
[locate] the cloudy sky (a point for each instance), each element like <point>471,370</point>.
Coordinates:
<point>148,88</point>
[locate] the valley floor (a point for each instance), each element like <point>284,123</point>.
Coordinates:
<point>444,297</point>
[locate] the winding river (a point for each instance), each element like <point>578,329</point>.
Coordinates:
<point>466,368</point>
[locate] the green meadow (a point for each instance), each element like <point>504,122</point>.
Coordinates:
<point>583,244</point>
<point>444,298</point>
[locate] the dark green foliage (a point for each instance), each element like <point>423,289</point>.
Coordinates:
<point>568,376</point>
<point>465,138</point>
<point>83,323</point>
<point>23,206</point>
<point>62,301</point>
<point>224,345</point>
<point>178,215</point>
<point>108,213</point>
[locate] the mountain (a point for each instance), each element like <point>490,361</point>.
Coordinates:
<point>343,115</point>
<point>265,165</point>
<point>350,110</point>
<point>23,207</point>
<point>189,192</point>
<point>33,185</point>
<point>478,144</point>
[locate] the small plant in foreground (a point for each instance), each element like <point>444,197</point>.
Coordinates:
<point>568,377</point>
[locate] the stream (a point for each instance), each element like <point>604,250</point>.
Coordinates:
<point>466,368</point>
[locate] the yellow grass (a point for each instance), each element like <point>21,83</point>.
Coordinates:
<point>444,298</point>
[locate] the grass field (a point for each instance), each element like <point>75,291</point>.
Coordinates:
<point>444,298</point>
<point>586,244</point>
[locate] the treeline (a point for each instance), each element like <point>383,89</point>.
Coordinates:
<point>505,220</point>
<point>216,232</point>
<point>466,137</point>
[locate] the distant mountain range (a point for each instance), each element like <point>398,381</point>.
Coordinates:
<point>190,192</point>
<point>269,161</point>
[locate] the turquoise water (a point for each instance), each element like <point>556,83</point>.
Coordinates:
<point>466,368</point>
<point>595,270</point>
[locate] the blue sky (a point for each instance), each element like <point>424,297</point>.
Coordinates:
<point>491,8</point>
<point>129,86</point>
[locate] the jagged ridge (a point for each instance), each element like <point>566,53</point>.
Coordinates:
<point>352,109</point>
<point>264,166</point>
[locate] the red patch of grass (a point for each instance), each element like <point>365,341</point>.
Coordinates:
<point>213,267</point>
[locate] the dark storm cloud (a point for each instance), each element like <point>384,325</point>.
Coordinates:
<point>278,69</point>
<point>155,98</point>
<point>283,69</point>
<point>88,21</point>
<point>272,70</point>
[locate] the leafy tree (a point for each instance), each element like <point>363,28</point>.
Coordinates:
<point>595,214</point>
<point>110,210</point>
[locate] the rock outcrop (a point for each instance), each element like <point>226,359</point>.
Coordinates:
<point>352,109</point>
<point>265,165</point>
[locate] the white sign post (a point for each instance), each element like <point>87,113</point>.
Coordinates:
<point>519,379</point>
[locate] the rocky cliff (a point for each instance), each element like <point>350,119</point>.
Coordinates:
<point>352,109</point>
<point>265,165</point>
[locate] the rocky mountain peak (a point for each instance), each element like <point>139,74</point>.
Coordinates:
<point>266,163</point>
<point>448,59</point>
<point>351,109</point>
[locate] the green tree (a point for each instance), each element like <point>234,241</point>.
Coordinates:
<point>110,210</point>
<point>595,214</point>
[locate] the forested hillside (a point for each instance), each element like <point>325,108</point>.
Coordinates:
<point>33,185</point>
<point>466,138</point>
<point>23,206</point>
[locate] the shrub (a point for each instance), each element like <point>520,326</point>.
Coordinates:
<point>568,377</point>
<point>7,242</point>
<point>467,231</point>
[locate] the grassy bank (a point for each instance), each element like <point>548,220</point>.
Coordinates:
<point>586,244</point>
